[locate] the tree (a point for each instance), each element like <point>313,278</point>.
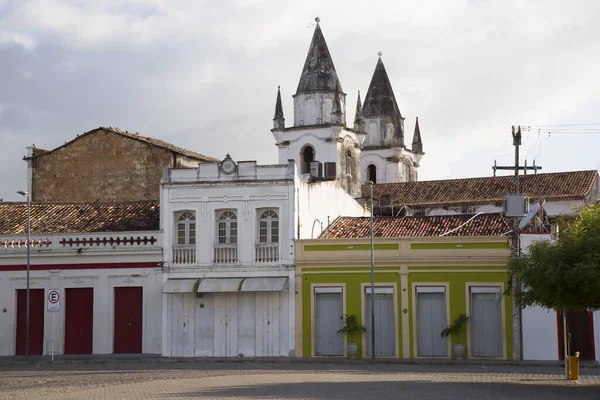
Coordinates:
<point>563,274</point>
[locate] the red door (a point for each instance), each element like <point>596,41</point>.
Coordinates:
<point>79,320</point>
<point>36,321</point>
<point>580,329</point>
<point>128,320</point>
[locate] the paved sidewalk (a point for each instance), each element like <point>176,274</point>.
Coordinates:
<point>259,380</point>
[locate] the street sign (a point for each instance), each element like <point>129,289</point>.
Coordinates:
<point>54,300</point>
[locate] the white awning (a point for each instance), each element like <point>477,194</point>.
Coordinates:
<point>179,286</point>
<point>220,285</point>
<point>264,284</point>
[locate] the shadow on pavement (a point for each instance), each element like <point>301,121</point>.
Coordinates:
<point>397,390</point>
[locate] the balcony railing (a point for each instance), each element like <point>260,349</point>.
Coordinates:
<point>184,255</point>
<point>267,253</point>
<point>226,254</point>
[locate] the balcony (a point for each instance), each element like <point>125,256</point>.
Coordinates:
<point>226,254</point>
<point>184,255</point>
<point>267,253</point>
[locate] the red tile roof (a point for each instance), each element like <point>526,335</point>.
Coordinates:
<point>391,227</point>
<point>474,191</point>
<point>79,217</point>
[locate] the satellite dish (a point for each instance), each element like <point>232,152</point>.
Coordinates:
<point>534,208</point>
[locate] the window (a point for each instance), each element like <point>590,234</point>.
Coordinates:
<point>268,227</point>
<point>372,173</point>
<point>186,229</point>
<point>227,228</point>
<point>307,156</point>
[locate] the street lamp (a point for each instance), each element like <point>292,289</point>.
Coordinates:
<point>22,193</point>
<point>370,183</point>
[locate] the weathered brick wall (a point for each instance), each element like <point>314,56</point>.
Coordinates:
<point>102,166</point>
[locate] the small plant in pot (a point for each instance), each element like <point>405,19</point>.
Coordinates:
<point>456,326</point>
<point>351,328</point>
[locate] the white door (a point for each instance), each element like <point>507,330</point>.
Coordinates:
<point>431,321</point>
<point>385,322</point>
<point>328,320</point>
<point>486,322</point>
<point>182,325</point>
<point>226,320</point>
<point>204,332</point>
<point>268,324</point>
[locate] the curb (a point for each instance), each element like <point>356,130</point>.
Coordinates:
<point>46,360</point>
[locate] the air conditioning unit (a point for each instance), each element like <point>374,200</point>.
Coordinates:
<point>316,169</point>
<point>330,170</point>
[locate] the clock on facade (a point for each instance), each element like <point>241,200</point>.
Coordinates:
<point>228,166</point>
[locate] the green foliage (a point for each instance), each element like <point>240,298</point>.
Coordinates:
<point>456,326</point>
<point>351,326</point>
<point>564,274</point>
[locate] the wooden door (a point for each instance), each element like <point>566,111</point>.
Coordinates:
<point>128,320</point>
<point>36,321</point>
<point>431,321</point>
<point>385,322</point>
<point>328,320</point>
<point>79,320</point>
<point>580,329</point>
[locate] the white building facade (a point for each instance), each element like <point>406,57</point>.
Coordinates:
<point>108,287</point>
<point>229,231</point>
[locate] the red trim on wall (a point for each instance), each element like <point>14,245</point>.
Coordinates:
<point>47,267</point>
<point>592,336</point>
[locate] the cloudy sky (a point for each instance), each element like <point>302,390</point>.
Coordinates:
<point>204,74</point>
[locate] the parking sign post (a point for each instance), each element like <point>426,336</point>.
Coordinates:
<point>53,307</point>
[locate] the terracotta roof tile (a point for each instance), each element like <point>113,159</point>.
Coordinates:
<point>391,227</point>
<point>79,217</point>
<point>473,191</point>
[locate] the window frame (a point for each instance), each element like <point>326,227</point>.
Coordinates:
<point>187,218</point>
<point>270,221</point>
<point>231,225</point>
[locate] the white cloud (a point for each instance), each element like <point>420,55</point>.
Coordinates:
<point>191,71</point>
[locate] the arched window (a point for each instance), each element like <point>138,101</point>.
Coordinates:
<point>227,228</point>
<point>268,227</point>
<point>186,229</point>
<point>307,156</point>
<point>372,173</point>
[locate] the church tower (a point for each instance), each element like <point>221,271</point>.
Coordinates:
<point>320,143</point>
<point>385,158</point>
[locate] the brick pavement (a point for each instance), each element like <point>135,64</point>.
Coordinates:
<point>258,380</point>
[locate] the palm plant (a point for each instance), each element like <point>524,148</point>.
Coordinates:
<point>351,326</point>
<point>456,326</point>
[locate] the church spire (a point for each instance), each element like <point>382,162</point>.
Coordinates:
<point>417,143</point>
<point>319,73</point>
<point>380,102</point>
<point>359,119</point>
<point>278,119</point>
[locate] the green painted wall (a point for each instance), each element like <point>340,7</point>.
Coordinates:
<point>476,245</point>
<point>344,247</point>
<point>457,296</point>
<point>458,299</point>
<point>353,300</point>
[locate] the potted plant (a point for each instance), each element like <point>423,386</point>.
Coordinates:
<point>459,322</point>
<point>350,328</point>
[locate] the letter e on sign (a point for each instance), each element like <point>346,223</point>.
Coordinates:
<point>54,300</point>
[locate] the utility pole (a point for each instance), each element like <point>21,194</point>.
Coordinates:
<point>517,341</point>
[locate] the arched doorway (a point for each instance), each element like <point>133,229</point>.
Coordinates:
<point>372,173</point>
<point>307,155</point>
